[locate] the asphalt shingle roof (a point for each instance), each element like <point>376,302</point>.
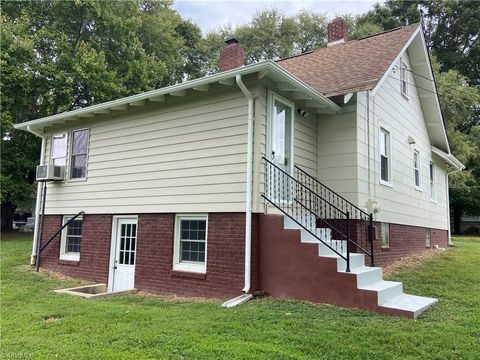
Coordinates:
<point>353,66</point>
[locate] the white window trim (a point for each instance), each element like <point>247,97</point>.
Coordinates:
<point>66,148</point>
<point>183,266</point>
<point>70,154</point>
<point>390,175</point>
<point>404,65</point>
<point>419,187</point>
<point>71,256</point>
<point>433,194</point>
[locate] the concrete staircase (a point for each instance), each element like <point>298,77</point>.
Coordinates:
<point>389,294</point>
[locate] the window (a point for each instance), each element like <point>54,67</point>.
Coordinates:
<point>385,157</point>
<point>428,237</point>
<point>79,154</point>
<point>385,235</point>
<point>404,78</point>
<point>416,169</point>
<point>190,248</point>
<point>59,149</point>
<point>433,185</point>
<point>71,238</point>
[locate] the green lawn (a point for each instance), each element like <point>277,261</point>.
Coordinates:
<point>36,324</point>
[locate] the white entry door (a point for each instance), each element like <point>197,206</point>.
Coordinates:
<point>124,248</point>
<point>280,148</point>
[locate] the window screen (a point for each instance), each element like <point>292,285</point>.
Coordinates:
<point>74,235</point>
<point>59,149</point>
<point>192,240</point>
<point>79,154</point>
<point>385,155</point>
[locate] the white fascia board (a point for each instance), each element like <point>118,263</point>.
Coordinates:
<point>434,89</point>
<point>267,66</point>
<point>432,85</point>
<point>449,158</point>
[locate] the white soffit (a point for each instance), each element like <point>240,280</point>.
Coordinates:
<point>264,69</point>
<point>449,158</point>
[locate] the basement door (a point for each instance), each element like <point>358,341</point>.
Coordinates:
<point>281,131</point>
<point>124,246</point>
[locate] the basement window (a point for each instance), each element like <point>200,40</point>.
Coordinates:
<point>71,238</point>
<point>428,237</point>
<point>190,247</point>
<point>385,235</point>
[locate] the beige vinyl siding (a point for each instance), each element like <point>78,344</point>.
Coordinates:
<point>337,151</point>
<point>189,156</point>
<point>305,146</point>
<point>401,203</point>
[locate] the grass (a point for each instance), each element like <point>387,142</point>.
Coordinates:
<point>36,324</point>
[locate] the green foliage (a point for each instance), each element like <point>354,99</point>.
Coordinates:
<point>451,28</point>
<point>62,55</point>
<point>460,108</point>
<point>270,35</point>
<point>35,321</point>
<point>364,29</point>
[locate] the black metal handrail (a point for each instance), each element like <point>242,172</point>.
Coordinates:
<point>303,172</point>
<point>298,202</point>
<point>361,222</point>
<point>296,197</point>
<point>37,262</point>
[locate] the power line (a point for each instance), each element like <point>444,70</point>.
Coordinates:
<point>441,83</point>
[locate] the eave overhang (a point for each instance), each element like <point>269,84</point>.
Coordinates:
<point>449,158</point>
<point>264,69</point>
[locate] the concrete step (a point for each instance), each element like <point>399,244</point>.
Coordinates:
<point>339,245</point>
<point>322,234</point>
<point>367,275</point>
<point>413,304</point>
<point>386,290</point>
<point>309,222</point>
<point>356,260</point>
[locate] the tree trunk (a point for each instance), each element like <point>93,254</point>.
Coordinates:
<point>7,216</point>
<point>457,219</point>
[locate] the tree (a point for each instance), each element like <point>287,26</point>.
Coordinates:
<point>460,108</point>
<point>270,35</point>
<point>62,55</point>
<point>451,29</point>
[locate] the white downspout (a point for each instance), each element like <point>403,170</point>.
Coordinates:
<point>448,206</point>
<point>248,198</point>
<point>39,196</point>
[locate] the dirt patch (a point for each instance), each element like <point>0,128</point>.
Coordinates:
<point>411,261</point>
<point>52,318</point>
<point>51,274</point>
<point>175,298</point>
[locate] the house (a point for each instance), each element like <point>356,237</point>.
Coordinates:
<point>299,178</point>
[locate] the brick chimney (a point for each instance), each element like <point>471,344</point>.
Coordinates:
<point>231,56</point>
<point>337,31</point>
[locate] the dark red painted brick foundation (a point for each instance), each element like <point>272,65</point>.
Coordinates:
<point>225,254</point>
<point>153,270</point>
<point>406,240</point>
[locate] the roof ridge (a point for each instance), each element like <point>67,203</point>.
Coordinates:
<point>387,31</point>
<point>350,41</point>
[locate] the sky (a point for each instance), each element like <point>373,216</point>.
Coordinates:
<point>211,14</point>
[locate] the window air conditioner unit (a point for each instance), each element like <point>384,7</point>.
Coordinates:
<point>50,172</point>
